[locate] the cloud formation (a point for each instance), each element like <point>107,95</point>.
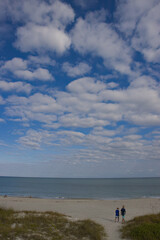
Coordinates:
<point>80,86</point>
<point>20,69</point>
<point>15,86</point>
<point>93,35</point>
<point>79,70</point>
<point>43,27</point>
<point>89,103</point>
<point>139,20</point>
<point>42,38</point>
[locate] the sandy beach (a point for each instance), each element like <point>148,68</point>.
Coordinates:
<point>101,211</point>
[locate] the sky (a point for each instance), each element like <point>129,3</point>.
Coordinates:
<point>80,88</point>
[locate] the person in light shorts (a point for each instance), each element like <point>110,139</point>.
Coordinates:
<point>123,213</point>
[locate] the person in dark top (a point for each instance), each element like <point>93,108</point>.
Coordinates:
<point>123,212</point>
<point>117,215</point>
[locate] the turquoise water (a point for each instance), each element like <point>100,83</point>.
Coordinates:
<point>81,188</point>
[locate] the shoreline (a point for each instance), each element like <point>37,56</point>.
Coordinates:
<point>100,211</point>
<point>63,198</point>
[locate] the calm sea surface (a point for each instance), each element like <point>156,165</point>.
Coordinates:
<point>81,188</point>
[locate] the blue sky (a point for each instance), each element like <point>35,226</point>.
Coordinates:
<point>79,88</point>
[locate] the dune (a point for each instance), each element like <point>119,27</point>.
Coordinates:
<point>101,211</point>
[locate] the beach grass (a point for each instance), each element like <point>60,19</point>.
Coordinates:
<point>142,228</point>
<point>25,225</point>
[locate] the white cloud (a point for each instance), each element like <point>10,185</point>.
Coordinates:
<point>129,13</point>
<point>34,138</point>
<point>111,85</point>
<point>63,13</point>
<point>145,82</point>
<point>15,86</point>
<point>41,60</point>
<point>93,35</point>
<point>42,24</point>
<point>146,38</point>
<point>40,74</point>
<point>133,106</point>
<point>37,139</point>
<point>37,11</point>
<point>100,131</point>
<point>86,84</point>
<point>106,150</point>
<point>140,20</point>
<point>69,120</point>
<point>15,64</point>
<point>68,137</point>
<point>20,69</point>
<point>78,70</point>
<point>90,103</point>
<point>37,107</point>
<point>82,124</point>
<point>32,37</point>
<point>145,119</point>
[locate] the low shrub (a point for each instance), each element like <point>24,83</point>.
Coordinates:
<point>142,228</point>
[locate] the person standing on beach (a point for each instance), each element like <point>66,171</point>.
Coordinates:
<point>117,215</point>
<point>123,212</point>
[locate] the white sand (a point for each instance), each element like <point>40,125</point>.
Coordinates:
<point>101,211</point>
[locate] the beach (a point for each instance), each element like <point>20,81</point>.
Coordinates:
<point>101,211</point>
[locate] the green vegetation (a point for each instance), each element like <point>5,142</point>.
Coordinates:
<point>143,228</point>
<point>46,226</point>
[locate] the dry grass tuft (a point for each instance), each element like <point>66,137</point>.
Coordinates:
<point>46,226</point>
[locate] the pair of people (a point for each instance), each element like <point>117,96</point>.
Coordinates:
<point>123,212</point>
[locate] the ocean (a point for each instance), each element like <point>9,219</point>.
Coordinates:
<point>80,188</point>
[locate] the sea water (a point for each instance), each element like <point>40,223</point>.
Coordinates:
<point>81,188</point>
